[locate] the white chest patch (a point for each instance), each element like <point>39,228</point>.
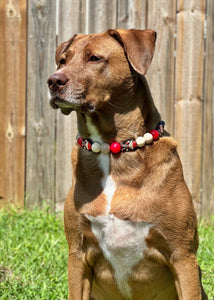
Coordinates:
<point>122,243</point>
<point>107,182</point>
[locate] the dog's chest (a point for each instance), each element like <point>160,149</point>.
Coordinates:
<point>122,243</point>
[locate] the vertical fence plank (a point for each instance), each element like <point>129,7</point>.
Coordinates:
<point>40,173</point>
<point>71,21</point>
<point>132,14</point>
<point>73,18</point>
<point>189,88</point>
<point>162,18</point>
<point>208,132</point>
<point>192,116</point>
<point>102,15</point>
<point>12,104</point>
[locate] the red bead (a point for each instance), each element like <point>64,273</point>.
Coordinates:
<point>155,134</point>
<point>115,147</point>
<point>134,144</point>
<point>88,145</point>
<point>79,141</point>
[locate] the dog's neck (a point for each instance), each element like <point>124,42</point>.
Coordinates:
<point>122,119</point>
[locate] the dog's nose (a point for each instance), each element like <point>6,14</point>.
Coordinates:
<point>57,81</point>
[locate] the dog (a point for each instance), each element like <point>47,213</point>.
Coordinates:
<point>129,218</point>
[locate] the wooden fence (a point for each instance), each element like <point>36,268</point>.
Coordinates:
<point>36,141</point>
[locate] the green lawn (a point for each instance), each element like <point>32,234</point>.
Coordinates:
<point>34,251</point>
<point>206,255</point>
<point>33,255</point>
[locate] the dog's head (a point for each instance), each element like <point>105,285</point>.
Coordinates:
<point>99,68</point>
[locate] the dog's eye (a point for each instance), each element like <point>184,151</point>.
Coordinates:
<point>62,61</point>
<point>94,58</point>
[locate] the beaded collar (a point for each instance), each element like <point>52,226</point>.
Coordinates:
<point>129,145</point>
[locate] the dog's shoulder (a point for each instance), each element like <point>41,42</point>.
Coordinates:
<point>163,161</point>
<point>165,150</point>
<point>168,143</point>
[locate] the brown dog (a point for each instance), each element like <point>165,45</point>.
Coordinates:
<point>129,218</point>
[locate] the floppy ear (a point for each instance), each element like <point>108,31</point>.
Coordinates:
<point>139,46</point>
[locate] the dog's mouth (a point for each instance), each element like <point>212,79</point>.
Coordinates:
<point>65,106</point>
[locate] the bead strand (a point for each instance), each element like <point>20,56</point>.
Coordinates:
<point>115,147</point>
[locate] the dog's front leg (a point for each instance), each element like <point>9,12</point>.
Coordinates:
<point>79,277</point>
<point>187,278</point>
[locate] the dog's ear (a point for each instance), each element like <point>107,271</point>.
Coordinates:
<point>62,48</point>
<point>139,46</point>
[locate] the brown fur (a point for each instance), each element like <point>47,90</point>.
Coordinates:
<point>150,187</point>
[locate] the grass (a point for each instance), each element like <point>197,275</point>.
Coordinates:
<point>206,255</point>
<point>33,255</point>
<point>34,251</point>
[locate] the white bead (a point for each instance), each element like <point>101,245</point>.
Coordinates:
<point>105,148</point>
<point>148,138</point>
<point>131,145</point>
<point>95,147</point>
<point>140,141</point>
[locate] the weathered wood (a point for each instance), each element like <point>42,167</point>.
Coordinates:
<point>162,19</point>
<point>72,16</point>
<point>51,135</point>
<point>102,15</point>
<point>132,14</point>
<point>40,171</point>
<point>208,129</point>
<point>12,104</point>
<point>189,91</point>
